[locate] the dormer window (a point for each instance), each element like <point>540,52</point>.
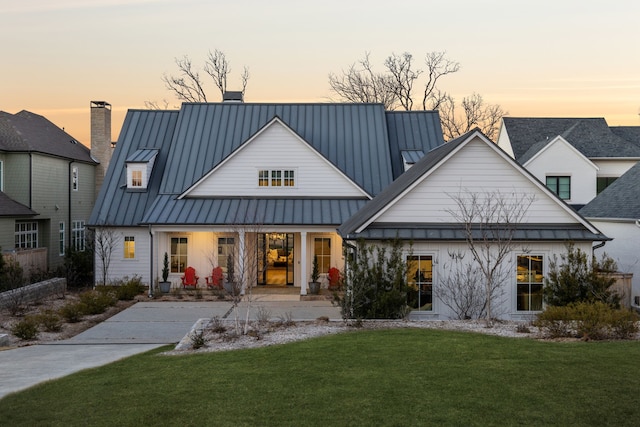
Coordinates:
<point>276,178</point>
<point>139,168</point>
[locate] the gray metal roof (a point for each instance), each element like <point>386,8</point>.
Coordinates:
<point>412,156</point>
<point>236,211</point>
<point>11,208</point>
<point>142,156</point>
<point>453,232</point>
<point>26,131</point>
<point>619,200</point>
<point>591,136</point>
<point>194,140</point>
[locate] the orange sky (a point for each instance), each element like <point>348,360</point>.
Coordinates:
<point>534,58</point>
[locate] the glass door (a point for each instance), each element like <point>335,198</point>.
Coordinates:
<point>275,252</point>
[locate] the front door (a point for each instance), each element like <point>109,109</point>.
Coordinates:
<point>275,259</point>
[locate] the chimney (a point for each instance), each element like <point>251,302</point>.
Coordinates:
<point>101,146</point>
<point>233,96</point>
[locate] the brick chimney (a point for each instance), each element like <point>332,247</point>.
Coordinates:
<point>101,145</point>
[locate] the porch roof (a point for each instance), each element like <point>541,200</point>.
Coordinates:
<point>453,231</point>
<point>167,209</point>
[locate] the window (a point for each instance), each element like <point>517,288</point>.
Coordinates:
<point>603,182</point>
<point>136,178</point>
<point>77,235</point>
<point>225,251</point>
<point>561,185</point>
<point>276,178</point>
<point>322,249</point>
<point>26,235</point>
<point>178,254</point>
<point>1,176</point>
<point>529,282</point>
<point>129,247</point>
<point>61,239</point>
<point>420,281</point>
<point>74,178</point>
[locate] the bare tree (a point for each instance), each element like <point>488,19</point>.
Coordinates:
<point>189,86</point>
<point>395,86</point>
<point>490,221</point>
<point>105,240</point>
<point>461,289</point>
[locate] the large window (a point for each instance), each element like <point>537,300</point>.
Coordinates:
<point>603,182</point>
<point>529,278</point>
<point>61,239</point>
<point>420,280</point>
<point>561,185</point>
<point>77,235</point>
<point>322,249</point>
<point>178,254</point>
<point>129,247</point>
<point>226,248</point>
<point>26,235</point>
<point>276,178</point>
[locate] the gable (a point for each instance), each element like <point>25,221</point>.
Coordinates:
<point>276,151</point>
<point>476,169</point>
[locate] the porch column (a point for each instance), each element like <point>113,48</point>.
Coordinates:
<point>303,263</point>
<point>241,260</point>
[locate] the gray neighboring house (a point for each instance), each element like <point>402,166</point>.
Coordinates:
<point>188,183</point>
<point>47,188</point>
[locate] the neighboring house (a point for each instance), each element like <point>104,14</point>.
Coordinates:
<point>47,189</point>
<point>198,182</point>
<point>616,211</point>
<point>419,208</point>
<point>576,157</point>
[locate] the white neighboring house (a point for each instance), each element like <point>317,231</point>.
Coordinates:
<point>417,208</point>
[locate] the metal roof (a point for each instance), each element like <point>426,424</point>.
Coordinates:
<point>142,156</point>
<point>591,136</point>
<point>412,156</point>
<point>236,211</point>
<point>453,232</point>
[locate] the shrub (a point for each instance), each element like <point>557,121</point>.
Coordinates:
<point>26,329</point>
<point>96,302</point>
<point>555,322</point>
<point>78,267</point>
<point>197,339</point>
<point>127,289</point>
<point>50,321</point>
<point>624,324</point>
<point>72,311</point>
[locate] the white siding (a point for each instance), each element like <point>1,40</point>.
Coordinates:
<point>504,142</point>
<point>277,148</point>
<point>476,169</point>
<point>613,168</point>
<point>120,267</point>
<point>560,159</point>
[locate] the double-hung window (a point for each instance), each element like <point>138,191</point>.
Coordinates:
<point>322,250</point>
<point>420,280</point>
<point>178,254</point>
<point>77,235</point>
<point>529,280</point>
<point>561,185</point>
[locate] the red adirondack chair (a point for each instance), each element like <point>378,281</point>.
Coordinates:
<point>215,280</point>
<point>189,279</point>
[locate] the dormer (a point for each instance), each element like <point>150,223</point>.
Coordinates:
<point>409,157</point>
<point>139,168</point>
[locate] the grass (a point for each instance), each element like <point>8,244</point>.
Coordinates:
<point>365,378</point>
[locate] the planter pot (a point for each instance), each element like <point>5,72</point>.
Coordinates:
<point>229,286</point>
<point>165,287</point>
<point>314,288</point>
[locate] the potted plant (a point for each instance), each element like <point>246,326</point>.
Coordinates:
<point>230,283</point>
<point>165,285</point>
<point>334,278</point>
<point>314,284</point>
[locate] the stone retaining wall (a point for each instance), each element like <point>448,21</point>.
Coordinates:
<point>34,292</point>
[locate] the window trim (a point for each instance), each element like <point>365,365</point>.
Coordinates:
<point>557,179</point>
<point>78,236</point>
<point>129,249</point>
<point>408,258</point>
<point>61,238</point>
<point>277,177</point>
<point>33,232</point>
<point>75,178</point>
<point>321,265</point>
<point>530,282</point>
<point>178,254</point>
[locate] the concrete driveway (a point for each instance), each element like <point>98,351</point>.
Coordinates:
<point>141,327</point>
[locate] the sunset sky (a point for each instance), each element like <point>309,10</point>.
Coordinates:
<point>551,58</point>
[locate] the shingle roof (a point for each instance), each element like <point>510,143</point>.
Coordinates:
<point>620,200</point>
<point>25,131</point>
<point>11,208</point>
<point>628,133</point>
<point>591,136</point>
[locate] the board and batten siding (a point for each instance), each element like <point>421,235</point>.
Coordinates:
<point>476,169</point>
<point>277,148</point>
<point>121,267</point>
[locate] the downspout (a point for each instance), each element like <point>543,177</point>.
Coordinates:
<point>150,262</point>
<point>69,228</point>
<point>30,180</point>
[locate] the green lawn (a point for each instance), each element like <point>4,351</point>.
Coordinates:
<point>363,378</point>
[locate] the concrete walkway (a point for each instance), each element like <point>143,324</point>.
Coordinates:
<point>142,327</point>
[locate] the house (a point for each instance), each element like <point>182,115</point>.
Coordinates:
<point>423,206</point>
<point>616,211</point>
<point>47,188</point>
<point>576,157</point>
<point>243,184</point>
